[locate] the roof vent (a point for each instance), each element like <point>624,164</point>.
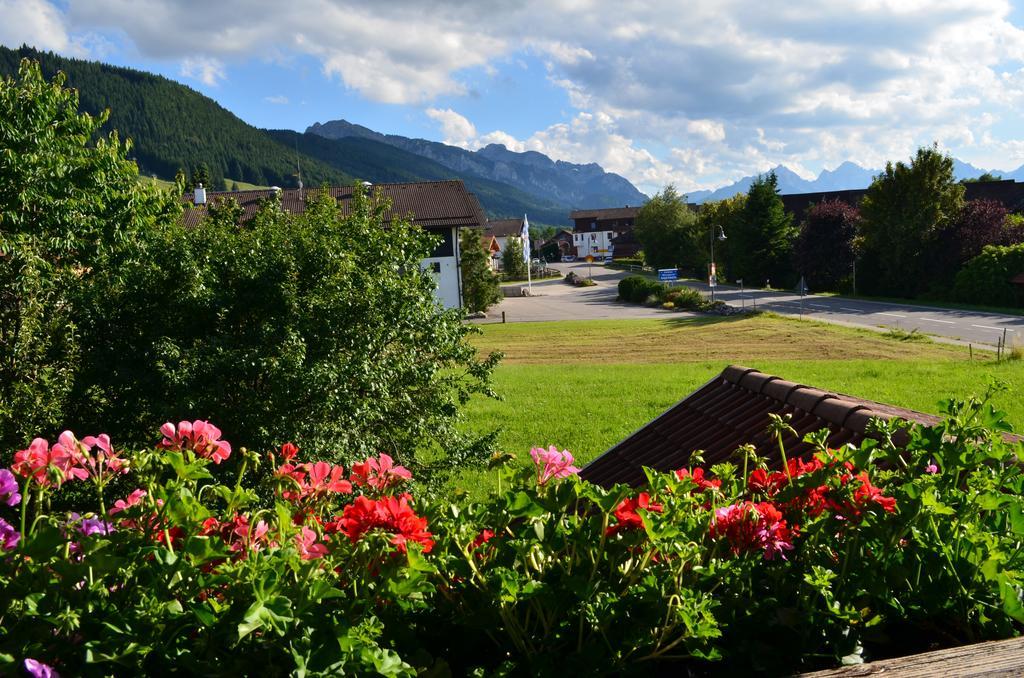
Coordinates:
<point>200,195</point>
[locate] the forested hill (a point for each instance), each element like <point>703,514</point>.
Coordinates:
<point>382,163</point>
<point>173,126</point>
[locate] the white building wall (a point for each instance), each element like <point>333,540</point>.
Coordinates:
<point>447,275</point>
<point>593,243</point>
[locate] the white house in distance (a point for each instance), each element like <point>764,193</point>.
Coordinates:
<point>440,207</point>
<point>594,229</point>
<point>501,230</point>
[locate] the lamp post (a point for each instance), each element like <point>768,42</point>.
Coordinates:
<point>711,271</point>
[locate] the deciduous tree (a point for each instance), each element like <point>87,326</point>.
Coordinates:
<point>665,227</point>
<point>824,248</point>
<point>904,209</point>
<point>69,198</point>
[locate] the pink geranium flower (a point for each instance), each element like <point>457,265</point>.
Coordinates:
<point>39,458</point>
<point>379,473</point>
<point>307,544</point>
<point>131,500</point>
<point>105,461</point>
<point>314,481</point>
<point>551,463</point>
<point>200,436</point>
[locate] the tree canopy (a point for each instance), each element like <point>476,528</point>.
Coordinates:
<point>761,243</point>
<point>904,209</point>
<point>665,226</point>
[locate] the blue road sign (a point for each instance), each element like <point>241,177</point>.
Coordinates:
<point>665,274</point>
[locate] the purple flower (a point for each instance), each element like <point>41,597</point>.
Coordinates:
<point>8,488</point>
<point>38,669</point>
<point>8,536</point>
<point>90,526</point>
<point>931,468</point>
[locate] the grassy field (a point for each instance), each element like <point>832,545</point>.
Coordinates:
<point>585,385</point>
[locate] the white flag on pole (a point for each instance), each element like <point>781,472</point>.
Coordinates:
<point>525,237</point>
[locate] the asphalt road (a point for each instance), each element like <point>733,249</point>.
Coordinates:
<point>557,301</point>
<point>970,326</point>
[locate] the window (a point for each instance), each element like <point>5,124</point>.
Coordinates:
<point>446,248</point>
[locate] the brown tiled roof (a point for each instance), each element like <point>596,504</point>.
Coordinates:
<point>431,204</point>
<point>732,410</point>
<point>626,212</point>
<point>502,228</point>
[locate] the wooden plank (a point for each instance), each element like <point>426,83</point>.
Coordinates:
<point>995,658</point>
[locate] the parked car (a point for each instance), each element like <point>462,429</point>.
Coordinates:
<point>608,259</point>
<point>568,258</point>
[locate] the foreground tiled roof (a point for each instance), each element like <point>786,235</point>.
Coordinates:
<point>626,212</point>
<point>502,228</point>
<point>732,410</point>
<point>431,203</point>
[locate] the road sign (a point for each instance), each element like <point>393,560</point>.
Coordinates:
<point>713,281</point>
<point>665,274</point>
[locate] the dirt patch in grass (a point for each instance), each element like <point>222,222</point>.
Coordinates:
<point>744,340</point>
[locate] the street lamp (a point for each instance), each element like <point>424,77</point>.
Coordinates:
<point>711,271</point>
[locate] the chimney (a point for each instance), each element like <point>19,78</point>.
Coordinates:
<point>200,195</point>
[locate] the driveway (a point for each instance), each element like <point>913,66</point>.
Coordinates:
<point>556,300</point>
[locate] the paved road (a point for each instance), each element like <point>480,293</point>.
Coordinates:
<point>558,301</point>
<point>970,326</point>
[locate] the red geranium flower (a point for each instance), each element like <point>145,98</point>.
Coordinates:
<point>627,516</point>
<point>391,514</point>
<point>697,476</point>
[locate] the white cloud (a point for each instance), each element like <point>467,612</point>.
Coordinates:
<point>278,99</point>
<point>709,129</point>
<point>34,22</point>
<point>735,86</point>
<point>207,71</point>
<point>457,130</point>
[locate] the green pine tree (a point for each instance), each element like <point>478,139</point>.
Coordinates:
<point>761,245</point>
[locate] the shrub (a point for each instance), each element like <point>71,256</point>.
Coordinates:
<point>668,305</point>
<point>320,328</point>
<point>838,556</point>
<point>688,298</point>
<point>638,289</point>
<point>985,279</point>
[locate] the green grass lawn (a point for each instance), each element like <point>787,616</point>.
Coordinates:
<point>585,385</point>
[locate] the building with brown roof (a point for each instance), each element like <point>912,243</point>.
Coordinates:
<point>595,230</point>
<point>732,410</point>
<point>439,207</point>
<point>502,230</point>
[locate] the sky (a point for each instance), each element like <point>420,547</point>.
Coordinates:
<point>697,93</point>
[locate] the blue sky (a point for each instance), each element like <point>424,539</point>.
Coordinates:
<point>696,93</point>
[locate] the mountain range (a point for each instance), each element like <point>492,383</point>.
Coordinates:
<point>848,175</point>
<point>535,173</point>
<point>174,127</point>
